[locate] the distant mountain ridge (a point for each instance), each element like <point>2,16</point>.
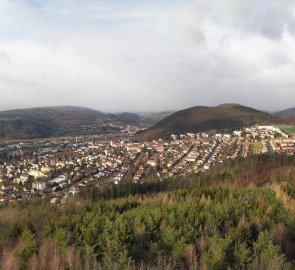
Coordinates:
<point>46,121</point>
<point>287,112</point>
<point>57,121</point>
<point>202,118</point>
<point>156,116</point>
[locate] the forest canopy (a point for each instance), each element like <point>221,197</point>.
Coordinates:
<point>208,221</point>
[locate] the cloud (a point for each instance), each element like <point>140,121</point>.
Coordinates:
<point>146,55</point>
<point>5,57</point>
<point>269,18</point>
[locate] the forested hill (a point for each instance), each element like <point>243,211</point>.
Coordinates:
<point>240,215</point>
<point>200,119</point>
<point>287,112</point>
<point>42,122</point>
<point>48,121</point>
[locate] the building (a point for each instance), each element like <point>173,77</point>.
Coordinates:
<point>53,201</point>
<point>191,135</point>
<point>238,133</point>
<point>45,169</point>
<point>174,137</point>
<point>58,180</point>
<point>24,178</point>
<point>36,173</point>
<point>39,185</point>
<point>152,163</point>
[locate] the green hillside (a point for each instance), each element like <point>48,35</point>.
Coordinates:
<point>240,215</point>
<point>24,128</point>
<point>62,120</point>
<point>199,119</point>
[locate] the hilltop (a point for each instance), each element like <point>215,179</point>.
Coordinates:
<point>155,116</point>
<point>133,118</point>
<point>201,118</point>
<point>289,118</point>
<point>287,112</point>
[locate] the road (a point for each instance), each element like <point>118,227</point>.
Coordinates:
<point>211,155</point>
<point>183,157</point>
<point>134,166</point>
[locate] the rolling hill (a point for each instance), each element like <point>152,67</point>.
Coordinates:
<point>155,116</point>
<point>200,119</point>
<point>132,118</point>
<point>289,117</point>
<point>287,112</point>
<point>19,128</point>
<point>48,121</point>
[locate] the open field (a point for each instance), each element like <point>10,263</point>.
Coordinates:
<point>290,129</point>
<point>257,148</point>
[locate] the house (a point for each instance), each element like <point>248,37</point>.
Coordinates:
<point>269,128</point>
<point>45,169</point>
<point>191,135</point>
<point>53,201</point>
<point>238,133</point>
<point>190,158</point>
<point>58,180</point>
<point>206,167</point>
<point>152,163</point>
<point>24,178</point>
<point>35,173</point>
<point>226,136</point>
<point>39,185</point>
<point>174,137</point>
<point>17,181</point>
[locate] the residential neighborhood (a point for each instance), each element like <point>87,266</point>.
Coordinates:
<point>57,168</point>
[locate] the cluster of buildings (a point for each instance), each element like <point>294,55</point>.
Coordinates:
<point>59,168</point>
<point>283,145</point>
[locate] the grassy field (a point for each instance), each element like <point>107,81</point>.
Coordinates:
<point>256,148</point>
<point>289,129</point>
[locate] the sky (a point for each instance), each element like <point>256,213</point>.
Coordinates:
<point>138,55</point>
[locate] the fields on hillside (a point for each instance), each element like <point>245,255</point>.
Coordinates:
<point>288,129</point>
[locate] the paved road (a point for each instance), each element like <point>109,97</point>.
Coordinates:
<point>211,155</point>
<point>134,166</point>
<point>183,157</point>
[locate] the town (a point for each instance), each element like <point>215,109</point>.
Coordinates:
<point>57,168</point>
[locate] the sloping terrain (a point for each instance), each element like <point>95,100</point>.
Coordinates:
<point>214,220</point>
<point>47,121</point>
<point>287,112</point>
<point>23,128</point>
<point>200,119</point>
<point>156,116</point>
<point>289,118</point>
<point>132,118</point>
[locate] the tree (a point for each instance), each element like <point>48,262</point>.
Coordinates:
<point>268,255</point>
<point>26,247</point>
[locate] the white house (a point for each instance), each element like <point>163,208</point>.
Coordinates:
<point>39,185</point>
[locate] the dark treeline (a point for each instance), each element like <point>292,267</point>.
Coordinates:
<point>215,220</point>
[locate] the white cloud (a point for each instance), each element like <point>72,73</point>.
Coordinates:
<point>265,17</point>
<point>142,55</point>
<point>4,57</point>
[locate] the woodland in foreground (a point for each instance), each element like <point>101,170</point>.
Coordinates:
<point>240,215</point>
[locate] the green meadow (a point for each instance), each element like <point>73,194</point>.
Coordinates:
<point>290,129</point>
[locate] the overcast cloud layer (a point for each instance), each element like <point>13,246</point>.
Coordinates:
<point>135,55</point>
